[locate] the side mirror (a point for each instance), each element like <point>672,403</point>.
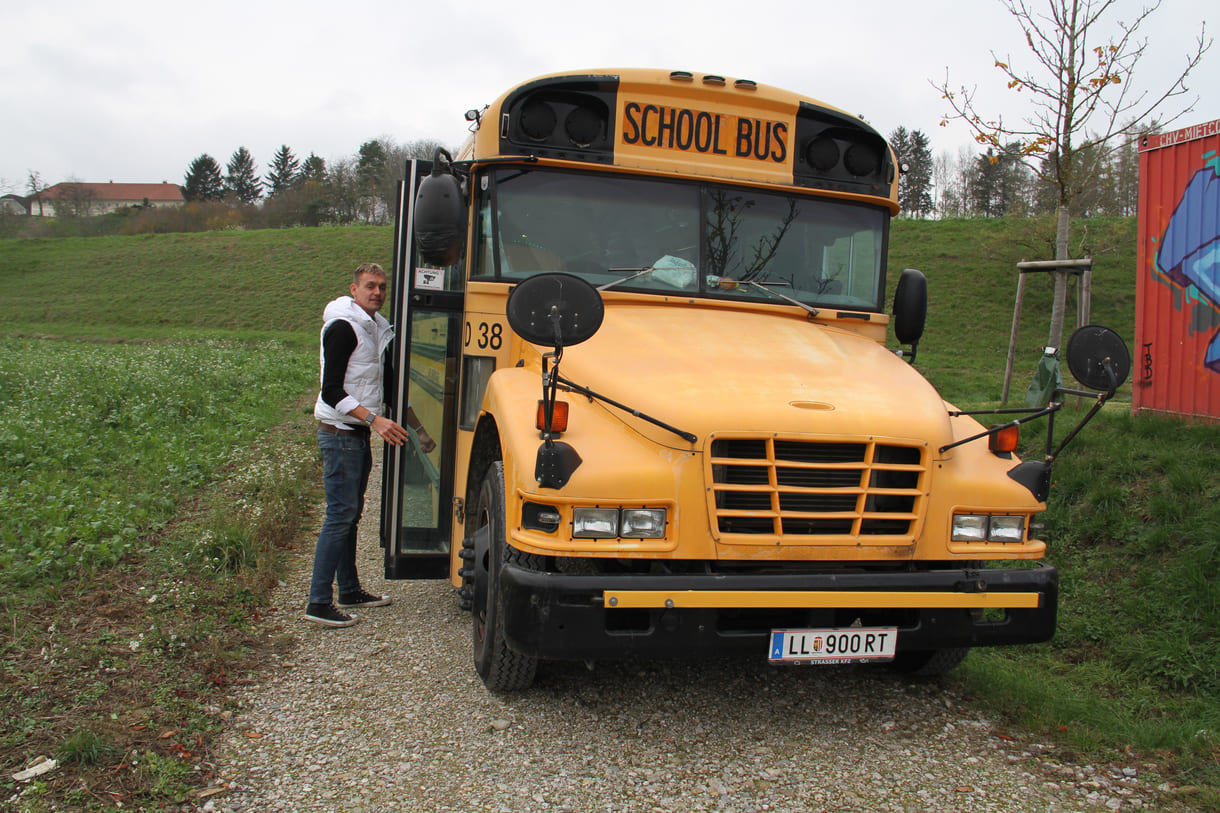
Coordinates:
<point>1098,358</point>
<point>556,310</point>
<point>440,214</point>
<point>910,308</point>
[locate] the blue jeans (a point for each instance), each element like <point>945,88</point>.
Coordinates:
<point>346,463</point>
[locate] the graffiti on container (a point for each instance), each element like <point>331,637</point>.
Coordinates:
<point>1189,253</point>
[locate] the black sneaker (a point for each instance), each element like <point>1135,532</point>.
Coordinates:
<point>328,615</point>
<point>362,598</point>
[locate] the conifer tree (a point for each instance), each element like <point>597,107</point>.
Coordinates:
<point>284,171</point>
<point>241,180</point>
<point>919,175</point>
<point>314,169</point>
<point>203,180</point>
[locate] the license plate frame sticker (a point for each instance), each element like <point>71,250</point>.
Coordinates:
<point>827,647</point>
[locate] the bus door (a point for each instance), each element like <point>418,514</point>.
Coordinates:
<point>417,487</point>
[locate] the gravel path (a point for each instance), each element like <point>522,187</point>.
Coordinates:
<point>390,716</point>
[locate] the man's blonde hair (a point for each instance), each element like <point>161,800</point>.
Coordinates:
<point>367,268</point>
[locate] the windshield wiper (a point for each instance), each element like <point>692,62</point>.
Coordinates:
<point>638,272</point>
<point>641,271</point>
<point>812,310</point>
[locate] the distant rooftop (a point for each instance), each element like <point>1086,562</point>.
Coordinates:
<point>164,192</point>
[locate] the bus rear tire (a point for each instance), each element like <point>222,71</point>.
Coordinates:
<point>501,669</point>
<point>929,662</point>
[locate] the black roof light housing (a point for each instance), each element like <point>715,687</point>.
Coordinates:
<point>837,152</point>
<point>567,117</point>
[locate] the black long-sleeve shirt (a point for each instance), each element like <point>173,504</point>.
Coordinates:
<point>338,344</point>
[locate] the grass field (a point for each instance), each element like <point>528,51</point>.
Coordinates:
<point>155,456</point>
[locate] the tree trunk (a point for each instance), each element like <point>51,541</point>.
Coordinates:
<point>1061,253</point>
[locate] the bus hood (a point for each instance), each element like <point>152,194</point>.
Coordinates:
<point>711,370</point>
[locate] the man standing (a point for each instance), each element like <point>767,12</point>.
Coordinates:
<point>354,340</point>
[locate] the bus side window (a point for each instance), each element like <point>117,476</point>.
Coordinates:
<point>484,261</point>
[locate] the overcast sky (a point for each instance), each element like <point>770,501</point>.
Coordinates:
<point>134,90</point>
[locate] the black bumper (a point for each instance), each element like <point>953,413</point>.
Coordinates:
<point>561,616</point>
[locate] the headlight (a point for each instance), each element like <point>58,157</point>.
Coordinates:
<point>1007,529</point>
<point>595,523</point>
<point>612,523</point>
<point>969,528</point>
<point>643,523</point>
<point>985,528</point>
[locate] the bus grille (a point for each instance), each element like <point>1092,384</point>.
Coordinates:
<point>816,492</point>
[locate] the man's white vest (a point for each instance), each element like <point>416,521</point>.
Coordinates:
<point>362,381</point>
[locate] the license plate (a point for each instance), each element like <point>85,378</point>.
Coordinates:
<point>834,646</point>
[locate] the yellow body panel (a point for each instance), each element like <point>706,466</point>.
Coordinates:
<point>760,374</point>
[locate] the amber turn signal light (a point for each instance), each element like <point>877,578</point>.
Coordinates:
<point>1005,439</point>
<point>559,418</point>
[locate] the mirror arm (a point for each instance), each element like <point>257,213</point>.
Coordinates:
<point>549,392</point>
<point>1033,415</point>
<point>910,354</point>
<point>1098,404</point>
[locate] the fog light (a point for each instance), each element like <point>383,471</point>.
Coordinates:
<point>1006,529</point>
<point>969,528</point>
<point>643,523</point>
<point>595,523</point>
<point>537,517</point>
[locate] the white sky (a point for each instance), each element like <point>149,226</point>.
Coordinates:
<point>134,90</point>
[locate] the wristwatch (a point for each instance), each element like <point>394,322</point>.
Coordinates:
<point>369,417</point>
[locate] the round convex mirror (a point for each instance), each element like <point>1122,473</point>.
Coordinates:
<point>554,310</point>
<point>1098,357</point>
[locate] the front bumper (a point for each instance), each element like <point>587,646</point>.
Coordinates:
<point>562,616</point>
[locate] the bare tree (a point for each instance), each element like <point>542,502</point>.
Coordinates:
<point>1081,98</point>
<point>36,186</point>
<point>392,171</point>
<point>74,199</point>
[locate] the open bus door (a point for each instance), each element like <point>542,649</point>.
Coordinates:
<point>417,487</point>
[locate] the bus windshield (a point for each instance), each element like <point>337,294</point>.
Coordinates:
<point>680,237</point>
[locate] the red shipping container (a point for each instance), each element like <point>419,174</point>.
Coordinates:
<point>1176,358</point>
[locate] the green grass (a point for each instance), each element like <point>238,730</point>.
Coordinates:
<point>194,491</point>
<point>164,415</point>
<point>971,266</point>
<point>1131,525</point>
<point>155,458</point>
<point>243,284</point>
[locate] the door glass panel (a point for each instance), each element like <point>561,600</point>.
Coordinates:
<point>423,484</point>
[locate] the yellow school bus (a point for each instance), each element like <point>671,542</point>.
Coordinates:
<point>643,313</point>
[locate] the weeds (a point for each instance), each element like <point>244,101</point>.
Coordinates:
<point>116,653</point>
<point>85,747</point>
<point>98,444</point>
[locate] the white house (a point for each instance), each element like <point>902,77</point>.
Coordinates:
<point>101,198</point>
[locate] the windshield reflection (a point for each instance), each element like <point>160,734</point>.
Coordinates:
<point>694,239</point>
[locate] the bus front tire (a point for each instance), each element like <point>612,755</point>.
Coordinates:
<point>501,669</point>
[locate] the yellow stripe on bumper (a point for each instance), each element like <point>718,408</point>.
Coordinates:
<point>740,599</point>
